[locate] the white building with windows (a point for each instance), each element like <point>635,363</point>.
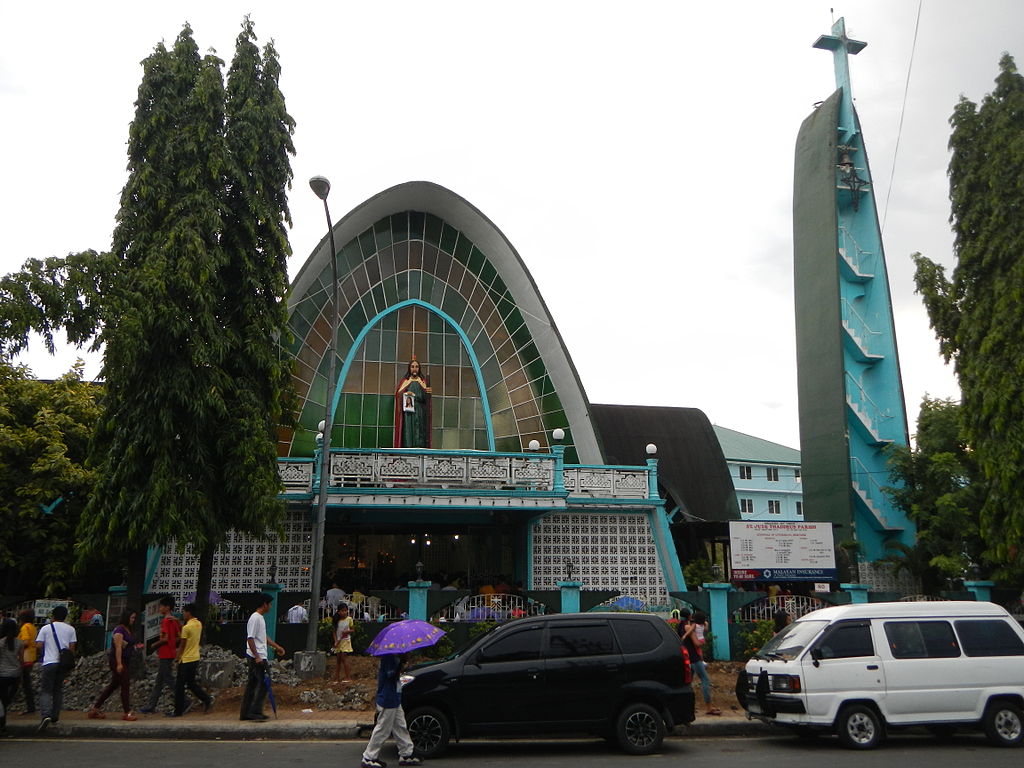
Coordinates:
<point>766,476</point>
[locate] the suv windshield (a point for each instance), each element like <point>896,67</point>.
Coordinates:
<point>791,641</point>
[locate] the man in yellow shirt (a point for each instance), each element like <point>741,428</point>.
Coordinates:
<point>188,664</point>
<point>27,635</point>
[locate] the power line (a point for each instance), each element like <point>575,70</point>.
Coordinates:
<point>903,110</point>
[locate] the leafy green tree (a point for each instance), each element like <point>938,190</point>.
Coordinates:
<point>45,428</point>
<point>938,485</point>
<point>189,307</point>
<point>977,314</point>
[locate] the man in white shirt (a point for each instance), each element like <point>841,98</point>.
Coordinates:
<point>298,614</point>
<point>256,642</point>
<point>50,639</point>
<point>335,595</point>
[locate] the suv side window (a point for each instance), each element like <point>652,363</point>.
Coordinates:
<point>921,640</point>
<point>989,637</point>
<point>847,640</point>
<point>636,636</point>
<point>517,646</point>
<point>579,640</point>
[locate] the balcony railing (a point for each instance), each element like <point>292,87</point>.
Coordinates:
<point>396,469</point>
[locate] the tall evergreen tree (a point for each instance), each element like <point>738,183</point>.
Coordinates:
<point>190,307</point>
<point>978,315</point>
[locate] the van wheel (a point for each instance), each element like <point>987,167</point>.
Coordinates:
<point>639,729</point>
<point>1004,724</point>
<point>859,727</point>
<point>429,731</point>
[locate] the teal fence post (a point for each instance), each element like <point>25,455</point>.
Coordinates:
<point>858,592</point>
<point>982,590</point>
<point>570,595</point>
<point>271,616</point>
<point>719,593</point>
<point>418,599</point>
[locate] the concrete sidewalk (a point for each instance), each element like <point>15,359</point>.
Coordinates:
<point>290,726</point>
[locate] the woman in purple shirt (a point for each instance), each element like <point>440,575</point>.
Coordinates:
<point>120,655</point>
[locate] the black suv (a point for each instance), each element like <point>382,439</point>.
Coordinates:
<point>618,675</point>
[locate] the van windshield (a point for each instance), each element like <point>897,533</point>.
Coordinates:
<point>791,641</point>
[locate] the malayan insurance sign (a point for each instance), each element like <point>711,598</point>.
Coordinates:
<point>782,551</point>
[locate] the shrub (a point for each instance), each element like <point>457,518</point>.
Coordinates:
<point>754,638</point>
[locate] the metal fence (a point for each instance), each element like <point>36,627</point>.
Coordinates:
<point>766,608</point>
<point>498,607</point>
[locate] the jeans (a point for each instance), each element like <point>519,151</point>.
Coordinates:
<point>389,721</point>
<point>163,677</point>
<point>51,692</point>
<point>187,677</point>
<point>705,681</point>
<point>255,691</point>
<point>26,687</point>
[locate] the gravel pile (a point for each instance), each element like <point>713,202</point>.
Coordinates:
<point>92,674</point>
<point>327,699</point>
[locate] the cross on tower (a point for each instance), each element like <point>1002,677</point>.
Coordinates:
<point>841,46</point>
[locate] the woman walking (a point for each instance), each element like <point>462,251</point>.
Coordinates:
<point>119,657</point>
<point>27,635</point>
<point>10,666</point>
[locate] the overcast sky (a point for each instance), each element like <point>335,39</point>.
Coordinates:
<point>639,155</point>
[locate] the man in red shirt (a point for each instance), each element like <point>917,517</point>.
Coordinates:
<point>166,651</point>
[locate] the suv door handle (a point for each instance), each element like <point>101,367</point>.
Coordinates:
<point>612,667</point>
<point>872,666</point>
<point>451,681</point>
<point>533,673</point>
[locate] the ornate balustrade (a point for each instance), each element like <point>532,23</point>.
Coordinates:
<point>466,470</point>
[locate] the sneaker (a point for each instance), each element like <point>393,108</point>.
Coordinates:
<point>44,724</point>
<point>410,760</point>
<point>95,714</point>
<point>372,764</point>
<point>129,717</point>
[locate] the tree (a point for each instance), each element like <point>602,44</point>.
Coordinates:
<point>191,312</point>
<point>45,427</point>
<point>938,485</point>
<point>977,315</point>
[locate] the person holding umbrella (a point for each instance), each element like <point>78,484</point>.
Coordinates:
<point>390,645</point>
<point>256,642</point>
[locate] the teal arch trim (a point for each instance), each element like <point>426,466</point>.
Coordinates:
<point>358,341</point>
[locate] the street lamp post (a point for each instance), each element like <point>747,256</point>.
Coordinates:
<point>321,188</point>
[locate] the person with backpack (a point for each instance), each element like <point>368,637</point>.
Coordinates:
<point>56,643</point>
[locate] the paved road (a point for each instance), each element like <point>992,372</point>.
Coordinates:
<point>906,751</point>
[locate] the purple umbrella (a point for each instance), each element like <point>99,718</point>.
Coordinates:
<point>482,613</point>
<point>404,636</point>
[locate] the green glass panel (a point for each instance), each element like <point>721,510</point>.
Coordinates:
<point>385,410</point>
<point>463,248</point>
<point>499,285</point>
<point>454,305</point>
<point>437,323</point>
<point>491,372</point>
<point>355,319</point>
<point>521,336</point>
<point>400,226</point>
<point>382,233</point>
<point>369,414</point>
<point>507,444</point>
<point>505,307</point>
<point>303,444</point>
<point>295,343</point>
<point>352,407</point>
<point>390,290</point>
<point>300,326</point>
<point>426,286</point>
<point>476,260</point>
<point>556,420</point>
<point>415,278</point>
<point>504,423</point>
<point>402,286</point>
<point>434,226</point>
<point>389,345</point>
<point>487,273</point>
<point>448,237</point>
<point>367,246</point>
<point>450,440</point>
<point>466,411</point>
<point>550,404</point>
<point>480,440</point>
<point>536,372</point>
<point>350,437</point>
<point>571,457</point>
<point>368,437</point>
<point>372,266</point>
<point>437,295</point>
<point>386,260</point>
<point>349,258</point>
<point>379,300</point>
<point>317,394</point>
<point>310,418</point>
<point>472,329</point>
<point>417,222</point>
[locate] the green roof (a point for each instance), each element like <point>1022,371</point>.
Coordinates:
<point>738,446</point>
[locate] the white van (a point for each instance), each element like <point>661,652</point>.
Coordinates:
<point>859,670</point>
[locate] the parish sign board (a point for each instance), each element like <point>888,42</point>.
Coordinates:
<point>782,551</point>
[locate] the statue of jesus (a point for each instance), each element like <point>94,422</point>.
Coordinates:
<point>412,408</point>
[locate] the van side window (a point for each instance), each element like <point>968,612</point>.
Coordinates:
<point>989,637</point>
<point>518,646</point>
<point>921,640</point>
<point>847,640</point>
<point>590,640</point>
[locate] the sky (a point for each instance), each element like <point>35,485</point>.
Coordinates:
<point>639,156</point>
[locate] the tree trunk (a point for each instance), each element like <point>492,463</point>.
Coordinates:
<point>204,580</point>
<point>135,567</point>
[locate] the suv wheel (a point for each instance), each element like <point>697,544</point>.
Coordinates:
<point>1004,724</point>
<point>640,729</point>
<point>859,727</point>
<point>429,731</point>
